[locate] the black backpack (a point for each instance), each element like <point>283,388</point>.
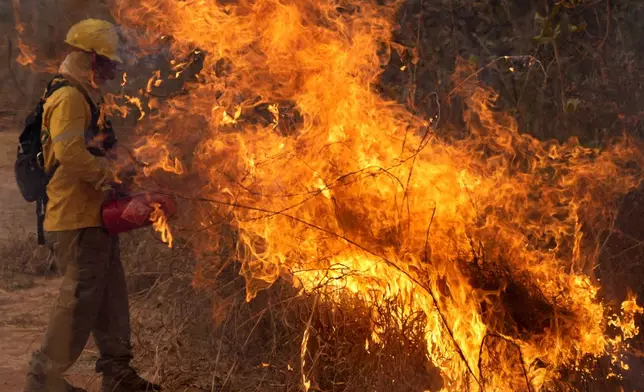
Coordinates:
<point>29,167</point>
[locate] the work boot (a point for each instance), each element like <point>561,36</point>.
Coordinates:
<point>37,383</point>
<point>127,380</point>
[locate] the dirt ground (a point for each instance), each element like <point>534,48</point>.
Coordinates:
<point>23,318</point>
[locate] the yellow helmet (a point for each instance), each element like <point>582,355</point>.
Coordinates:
<point>94,35</point>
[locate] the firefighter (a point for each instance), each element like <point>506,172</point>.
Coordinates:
<point>93,296</point>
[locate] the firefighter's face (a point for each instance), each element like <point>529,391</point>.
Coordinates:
<point>103,68</point>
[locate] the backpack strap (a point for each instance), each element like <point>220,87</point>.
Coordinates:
<point>55,84</point>
<point>59,82</point>
<point>41,204</point>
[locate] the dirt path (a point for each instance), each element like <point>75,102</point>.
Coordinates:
<point>23,318</point>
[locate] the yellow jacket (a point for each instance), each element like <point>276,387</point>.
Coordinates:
<point>78,188</point>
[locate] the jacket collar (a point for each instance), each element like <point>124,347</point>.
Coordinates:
<point>77,68</point>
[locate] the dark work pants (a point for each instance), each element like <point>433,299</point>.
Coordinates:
<point>93,299</point>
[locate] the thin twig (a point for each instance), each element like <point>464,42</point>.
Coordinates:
<point>601,44</point>
<point>429,227</point>
<point>305,340</point>
<point>521,360</point>
<point>230,371</point>
<point>221,339</point>
<point>481,361</point>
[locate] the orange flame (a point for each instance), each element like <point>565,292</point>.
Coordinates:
<point>137,102</point>
<point>160,224</point>
<point>27,54</point>
<point>490,237</point>
<point>155,154</point>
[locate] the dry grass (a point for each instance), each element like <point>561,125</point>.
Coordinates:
<point>212,339</point>
<point>22,259</point>
<point>208,337</point>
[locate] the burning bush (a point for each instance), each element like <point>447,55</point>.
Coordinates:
<point>485,244</point>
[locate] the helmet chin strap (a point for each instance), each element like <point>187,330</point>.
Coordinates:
<point>98,71</point>
<point>92,80</point>
<point>93,71</point>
